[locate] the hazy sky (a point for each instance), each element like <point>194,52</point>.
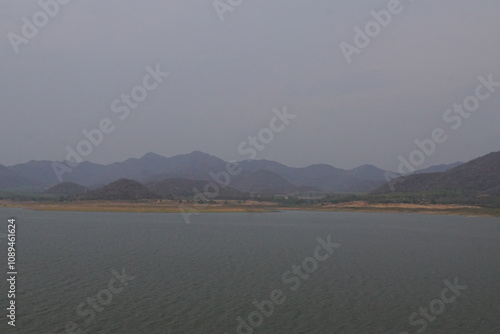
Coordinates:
<point>225,78</point>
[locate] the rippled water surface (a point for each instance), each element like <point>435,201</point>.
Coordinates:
<point>202,277</point>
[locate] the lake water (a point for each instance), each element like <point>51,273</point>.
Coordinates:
<point>202,277</point>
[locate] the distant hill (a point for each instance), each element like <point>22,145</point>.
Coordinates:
<point>322,176</point>
<point>11,179</point>
<point>265,181</point>
<point>193,166</point>
<point>123,189</point>
<point>43,173</point>
<point>478,177</point>
<point>67,188</point>
<point>184,188</point>
<point>438,168</point>
<point>40,172</point>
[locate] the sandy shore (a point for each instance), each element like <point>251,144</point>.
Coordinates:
<point>452,209</point>
<point>167,206</point>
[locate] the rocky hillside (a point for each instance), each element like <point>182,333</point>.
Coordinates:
<point>478,177</point>
<point>123,189</point>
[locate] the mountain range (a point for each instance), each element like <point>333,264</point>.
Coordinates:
<point>256,176</point>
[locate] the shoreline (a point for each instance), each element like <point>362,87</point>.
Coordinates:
<point>250,206</point>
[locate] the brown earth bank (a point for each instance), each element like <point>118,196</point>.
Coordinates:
<point>167,206</point>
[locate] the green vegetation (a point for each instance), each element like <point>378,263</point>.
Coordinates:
<point>444,197</point>
<point>22,196</point>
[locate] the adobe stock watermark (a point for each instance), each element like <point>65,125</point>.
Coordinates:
<point>122,107</point>
<point>292,279</point>
<point>223,6</point>
<point>31,27</point>
<point>249,149</point>
<point>372,29</point>
<point>95,304</point>
<point>436,307</point>
<point>453,116</point>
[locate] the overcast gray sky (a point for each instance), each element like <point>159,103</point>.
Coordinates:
<point>227,76</point>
